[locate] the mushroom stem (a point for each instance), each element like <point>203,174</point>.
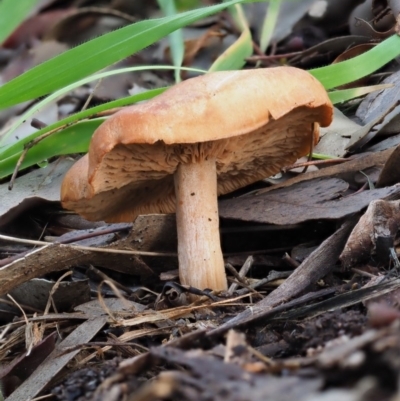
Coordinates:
<point>201,264</point>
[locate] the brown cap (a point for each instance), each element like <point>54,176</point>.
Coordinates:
<point>253,122</point>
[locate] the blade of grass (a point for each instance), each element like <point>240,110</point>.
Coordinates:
<point>238,16</point>
<point>12,13</point>
<point>73,139</point>
<point>176,43</point>
<point>234,58</point>
<point>35,108</point>
<point>321,156</point>
<point>183,5</point>
<point>350,70</point>
<point>96,54</point>
<point>17,148</point>
<point>269,24</point>
<point>344,95</point>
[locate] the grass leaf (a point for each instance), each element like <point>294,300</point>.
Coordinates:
<point>96,54</point>
<point>72,139</point>
<point>177,46</point>
<point>17,148</point>
<point>350,70</point>
<point>37,106</point>
<point>344,95</point>
<point>234,58</point>
<point>12,13</point>
<point>269,24</point>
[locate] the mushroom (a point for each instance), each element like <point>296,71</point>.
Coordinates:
<point>204,137</point>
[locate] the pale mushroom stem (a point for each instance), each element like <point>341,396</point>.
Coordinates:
<point>201,264</point>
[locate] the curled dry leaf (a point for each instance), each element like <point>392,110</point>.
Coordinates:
<point>389,175</point>
<point>367,20</point>
<point>382,219</point>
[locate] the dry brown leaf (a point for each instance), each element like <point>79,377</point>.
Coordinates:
<point>57,360</point>
<point>382,219</point>
<point>310,200</point>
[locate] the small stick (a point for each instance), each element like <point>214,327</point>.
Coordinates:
<point>290,261</point>
<point>105,277</point>
<point>234,272</point>
<point>88,248</point>
<point>266,57</point>
<point>314,163</point>
<point>272,276</point>
<point>363,273</point>
<point>245,286</point>
<point>90,97</point>
<point>242,273</point>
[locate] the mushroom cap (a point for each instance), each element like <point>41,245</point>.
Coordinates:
<point>253,122</point>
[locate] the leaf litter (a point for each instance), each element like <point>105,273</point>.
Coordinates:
<point>318,326</point>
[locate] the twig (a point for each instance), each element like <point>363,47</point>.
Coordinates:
<point>87,248</point>
<point>363,273</point>
<point>90,97</point>
<point>314,267</point>
<point>242,273</point>
<point>272,276</point>
<point>290,261</point>
<point>266,57</point>
<point>245,286</point>
<point>314,163</point>
<point>105,277</point>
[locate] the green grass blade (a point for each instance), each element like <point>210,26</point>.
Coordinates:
<point>184,5</point>
<point>344,95</point>
<point>238,16</point>
<point>84,81</point>
<point>96,54</point>
<point>269,24</point>
<point>73,139</point>
<point>350,70</point>
<point>176,43</point>
<point>234,58</point>
<point>17,148</point>
<point>12,13</point>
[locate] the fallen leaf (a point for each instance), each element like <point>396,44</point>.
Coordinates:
<point>57,360</point>
<point>384,102</point>
<point>382,219</point>
<point>345,170</point>
<point>24,365</point>
<point>335,138</point>
<point>35,293</point>
<point>310,200</point>
<point>390,172</point>
<point>39,187</point>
